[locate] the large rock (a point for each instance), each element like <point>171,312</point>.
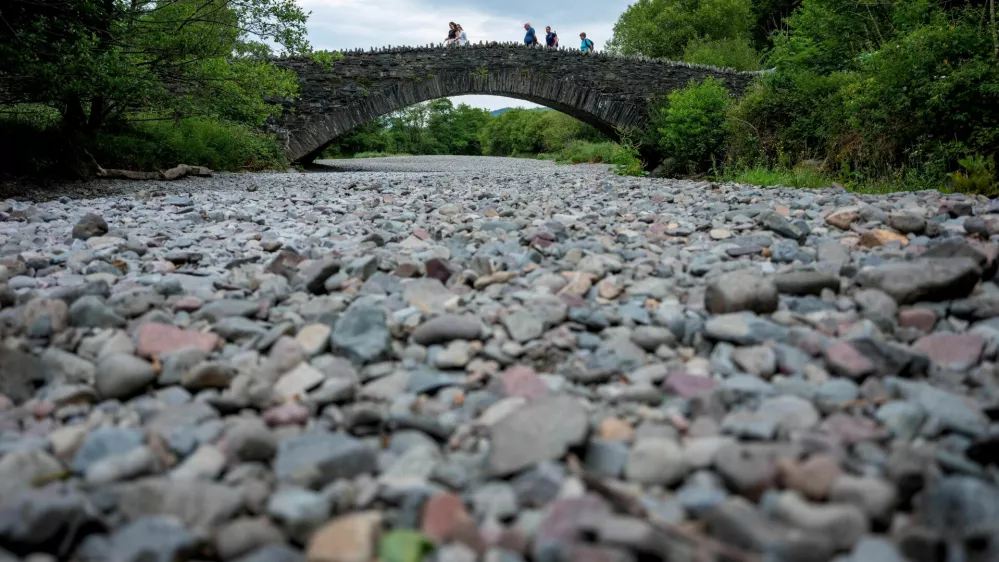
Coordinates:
<point>19,374</point>
<point>199,505</point>
<point>448,327</point>
<point>156,538</point>
<point>741,290</point>
<point>51,520</point>
<point>123,376</point>
<point>157,340</point>
<point>89,226</point>
<point>361,334</point>
<point>319,458</point>
<point>22,469</point>
<point>516,442</point>
<point>935,279</point>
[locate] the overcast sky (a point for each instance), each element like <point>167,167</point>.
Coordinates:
<point>351,24</point>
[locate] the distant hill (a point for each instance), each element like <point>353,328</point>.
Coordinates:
<point>499,112</point>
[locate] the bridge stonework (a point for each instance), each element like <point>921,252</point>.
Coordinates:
<point>603,90</point>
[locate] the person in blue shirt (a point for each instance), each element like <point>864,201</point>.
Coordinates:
<point>585,44</point>
<point>531,38</point>
<point>551,38</point>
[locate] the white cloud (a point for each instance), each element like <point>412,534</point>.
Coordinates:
<point>352,24</point>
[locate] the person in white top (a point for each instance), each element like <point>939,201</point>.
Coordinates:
<point>462,38</point>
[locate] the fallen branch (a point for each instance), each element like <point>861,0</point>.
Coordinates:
<point>174,173</point>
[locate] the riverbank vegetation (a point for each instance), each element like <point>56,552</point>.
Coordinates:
<point>143,83</point>
<point>903,94</point>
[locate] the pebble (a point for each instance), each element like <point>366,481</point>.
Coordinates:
<point>122,376</point>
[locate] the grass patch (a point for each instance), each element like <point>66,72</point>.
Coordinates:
<point>768,177</point>
<point>811,178</point>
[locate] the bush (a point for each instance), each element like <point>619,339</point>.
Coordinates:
<point>33,145</point>
<point>532,131</point>
<point>219,145</point>
<point>585,152</point>
<point>691,125</point>
<point>977,176</point>
<point>738,54</point>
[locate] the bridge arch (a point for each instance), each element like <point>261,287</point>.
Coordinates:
<point>602,90</point>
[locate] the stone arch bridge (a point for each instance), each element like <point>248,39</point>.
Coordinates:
<point>606,91</point>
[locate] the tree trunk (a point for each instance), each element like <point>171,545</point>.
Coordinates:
<point>73,117</point>
<point>98,105</point>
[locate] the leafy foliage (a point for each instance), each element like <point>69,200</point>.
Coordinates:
<point>897,91</point>
<point>691,124</point>
<point>525,131</point>
<point>977,175</point>
<point>663,28</point>
<point>734,53</point>
<point>436,127</point>
<point>102,64</point>
<point>96,60</point>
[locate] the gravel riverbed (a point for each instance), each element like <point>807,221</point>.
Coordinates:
<point>460,359</point>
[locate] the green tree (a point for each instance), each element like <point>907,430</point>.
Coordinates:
<point>96,60</point>
<point>664,28</point>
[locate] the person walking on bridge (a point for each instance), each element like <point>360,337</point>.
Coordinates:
<point>462,37</point>
<point>452,34</point>
<point>531,38</point>
<point>551,38</point>
<point>586,46</point>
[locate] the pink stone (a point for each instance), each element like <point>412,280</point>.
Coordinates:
<point>421,234</point>
<point>562,520</point>
<point>289,413</point>
<point>157,339</point>
<point>438,269</point>
<point>445,520</point>
<point>845,361</point>
<point>922,319</point>
<point>958,352</point>
<point>521,381</point>
<point>685,385</point>
<point>849,430</point>
<point>188,304</point>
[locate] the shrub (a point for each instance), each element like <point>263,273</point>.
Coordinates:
<point>585,152</point>
<point>198,141</point>
<point>726,53</point>
<point>691,125</point>
<point>977,176</point>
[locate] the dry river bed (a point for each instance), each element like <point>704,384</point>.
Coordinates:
<point>460,359</point>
